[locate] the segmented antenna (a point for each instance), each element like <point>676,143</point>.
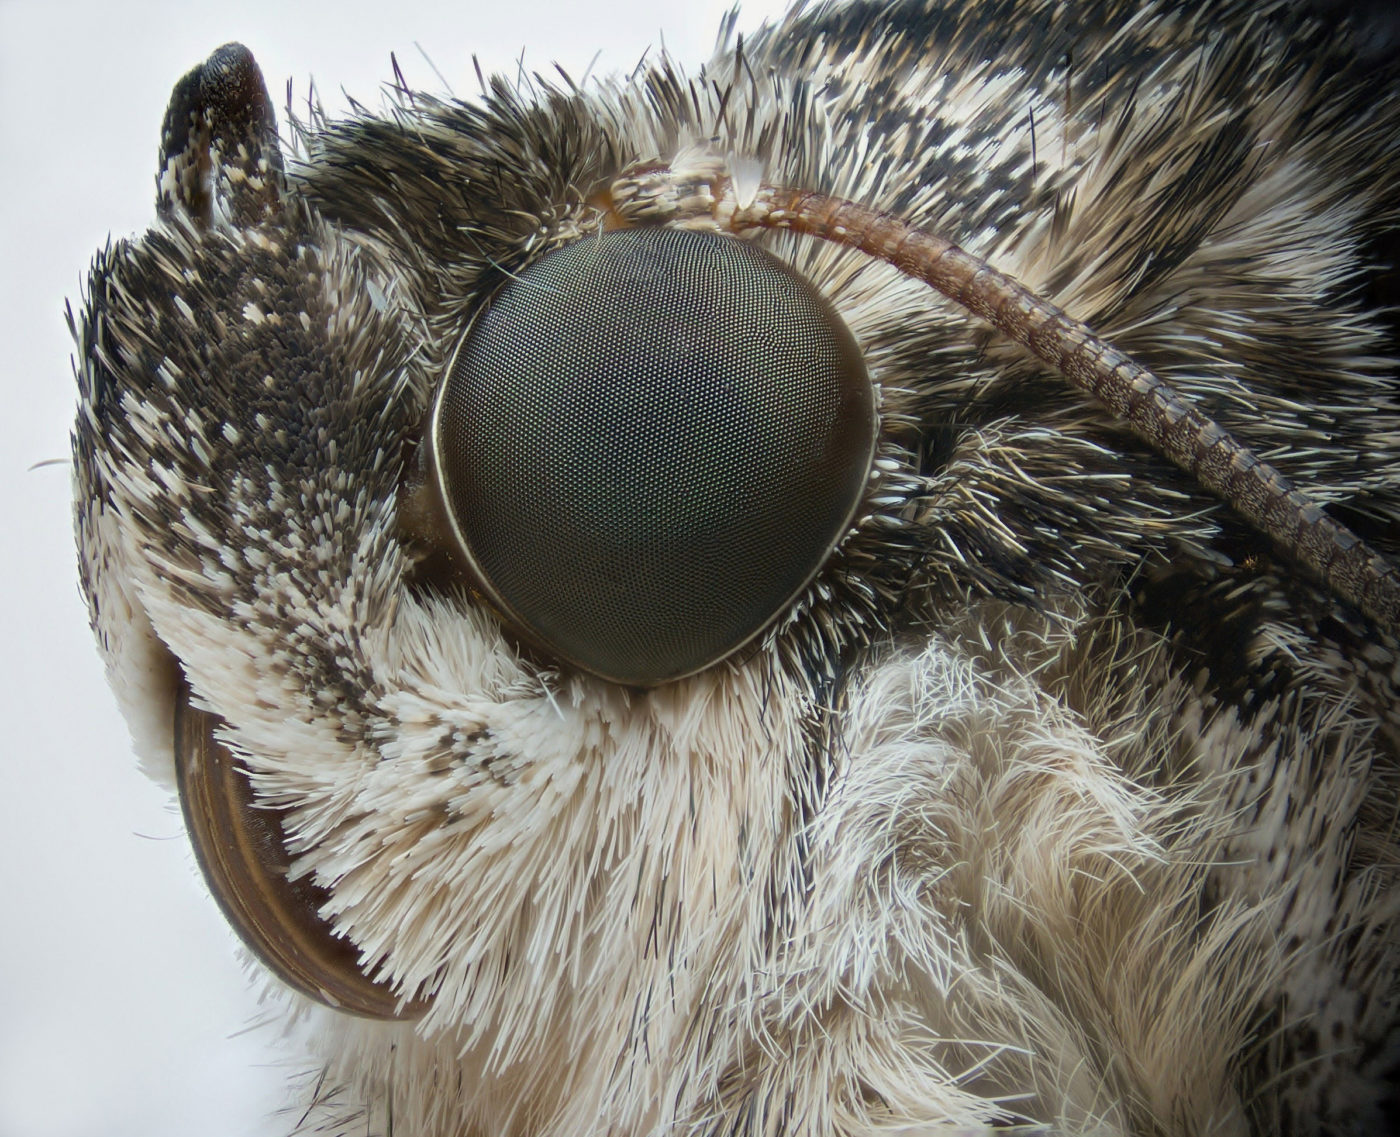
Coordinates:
<point>1296,524</point>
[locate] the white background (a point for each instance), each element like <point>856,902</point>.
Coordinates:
<point>124,1009</point>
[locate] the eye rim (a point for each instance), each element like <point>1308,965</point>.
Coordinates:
<point>242,856</point>
<point>433,518</point>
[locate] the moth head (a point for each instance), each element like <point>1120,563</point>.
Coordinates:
<point>328,526</point>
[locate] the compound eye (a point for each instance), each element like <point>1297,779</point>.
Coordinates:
<point>648,445</point>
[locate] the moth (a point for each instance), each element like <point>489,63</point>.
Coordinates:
<point>636,659</point>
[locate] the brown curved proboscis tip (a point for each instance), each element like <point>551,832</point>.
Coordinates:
<point>1298,527</point>
<point>240,850</point>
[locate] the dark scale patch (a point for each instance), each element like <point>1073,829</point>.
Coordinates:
<point>1002,30</point>
<point>96,384</point>
<point>1044,40</point>
<point>308,417</point>
<point>279,401</point>
<point>456,186</point>
<point>1215,620</point>
<point>1002,189</point>
<point>276,404</point>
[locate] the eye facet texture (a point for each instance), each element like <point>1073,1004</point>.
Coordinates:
<point>647,446</point>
